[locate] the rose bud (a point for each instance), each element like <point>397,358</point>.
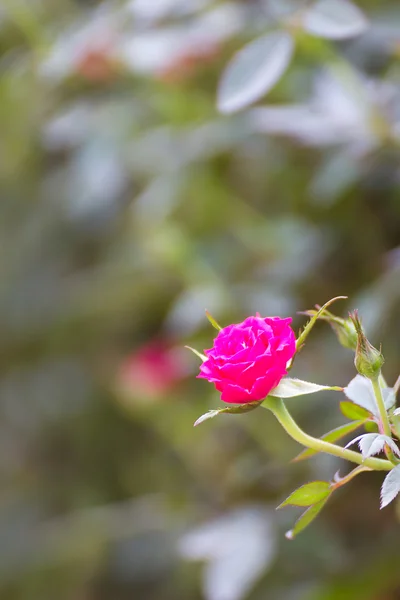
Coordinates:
<point>344,328</point>
<point>249,359</point>
<point>368,360</point>
<point>345,331</point>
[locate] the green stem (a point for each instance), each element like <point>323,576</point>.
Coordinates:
<point>278,408</point>
<point>382,381</point>
<point>381,407</point>
<point>387,430</point>
<point>396,386</point>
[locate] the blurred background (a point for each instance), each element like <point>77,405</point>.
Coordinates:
<point>129,205</point>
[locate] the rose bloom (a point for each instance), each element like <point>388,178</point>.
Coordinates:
<point>249,359</point>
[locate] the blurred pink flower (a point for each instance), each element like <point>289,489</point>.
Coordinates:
<point>188,63</point>
<point>249,359</point>
<point>152,371</point>
<point>96,63</point>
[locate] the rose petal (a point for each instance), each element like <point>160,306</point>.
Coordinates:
<point>233,394</point>
<point>263,385</point>
<point>259,368</point>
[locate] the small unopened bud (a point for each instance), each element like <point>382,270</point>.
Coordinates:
<point>344,328</point>
<point>346,332</point>
<point>368,360</point>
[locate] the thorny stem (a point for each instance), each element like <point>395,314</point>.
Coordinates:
<point>278,408</point>
<point>381,407</point>
<point>339,481</point>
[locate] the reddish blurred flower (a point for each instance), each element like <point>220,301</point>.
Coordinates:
<point>188,63</point>
<point>152,371</point>
<point>96,63</point>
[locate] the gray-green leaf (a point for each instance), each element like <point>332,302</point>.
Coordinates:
<point>308,494</point>
<point>334,19</point>
<point>373,443</point>
<point>235,409</point>
<point>290,387</point>
<point>254,70</point>
<point>390,487</point>
<point>361,392</point>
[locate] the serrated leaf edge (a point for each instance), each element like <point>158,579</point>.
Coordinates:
<point>394,473</point>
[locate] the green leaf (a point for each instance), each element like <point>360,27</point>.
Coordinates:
<point>331,436</point>
<point>254,70</point>
<point>306,518</point>
<point>371,427</point>
<point>361,392</point>
<point>289,388</point>
<point>308,494</point>
<point>353,411</point>
<point>232,410</point>
<point>304,334</point>
<point>213,322</point>
<point>390,487</point>
<point>197,353</point>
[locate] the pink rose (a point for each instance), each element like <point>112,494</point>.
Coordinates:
<point>249,359</point>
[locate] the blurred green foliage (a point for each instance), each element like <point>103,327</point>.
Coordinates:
<point>128,206</point>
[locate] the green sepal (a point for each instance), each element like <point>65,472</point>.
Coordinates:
<point>213,322</point>
<point>203,357</point>
<point>344,328</point>
<point>232,410</point>
<point>368,360</point>
<point>304,334</point>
